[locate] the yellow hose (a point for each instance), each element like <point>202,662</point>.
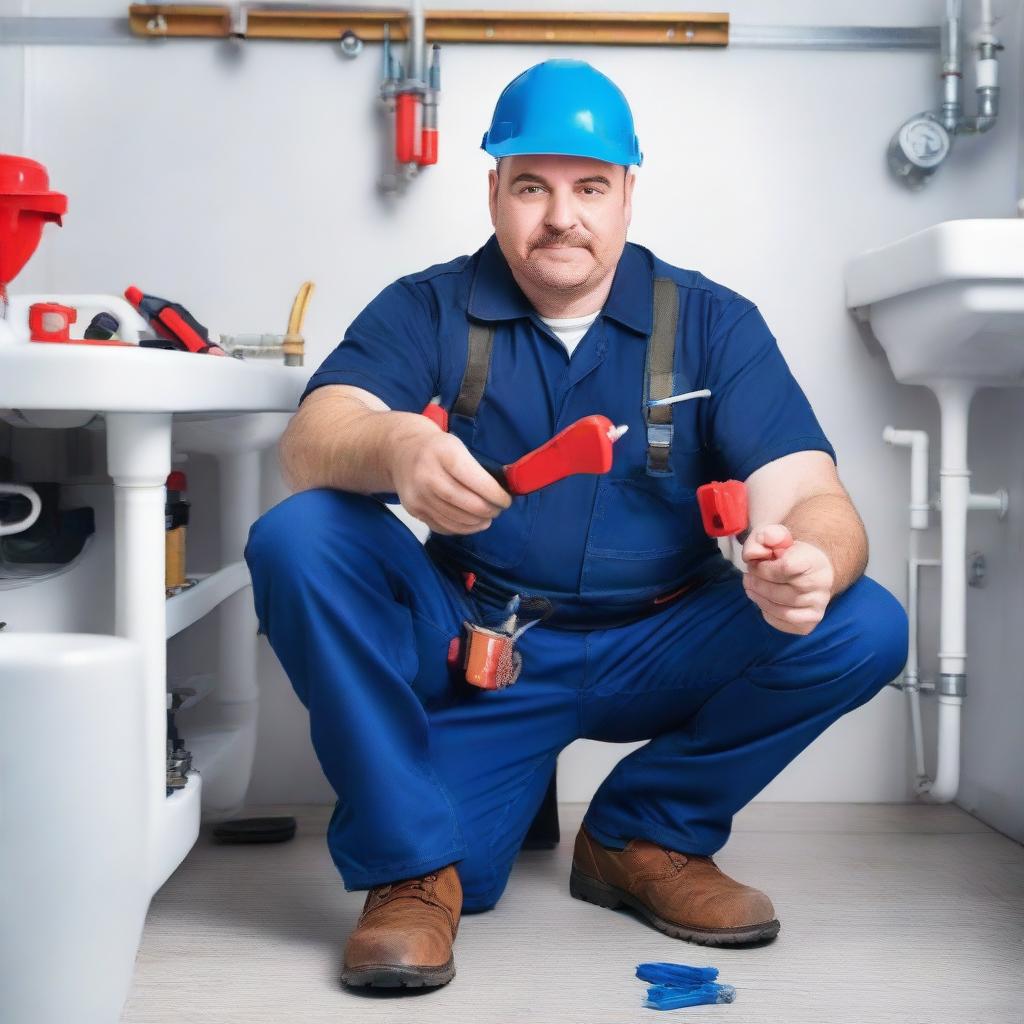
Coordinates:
<point>294,343</point>
<point>298,314</point>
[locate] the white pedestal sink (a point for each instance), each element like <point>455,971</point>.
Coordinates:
<point>153,401</point>
<point>947,305</point>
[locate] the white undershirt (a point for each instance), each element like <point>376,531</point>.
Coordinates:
<point>570,330</point>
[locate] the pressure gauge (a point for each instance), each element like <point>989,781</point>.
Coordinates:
<point>917,149</point>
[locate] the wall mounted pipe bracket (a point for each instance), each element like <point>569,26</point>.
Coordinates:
<point>952,684</point>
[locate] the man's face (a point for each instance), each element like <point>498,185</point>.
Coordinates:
<point>561,220</point>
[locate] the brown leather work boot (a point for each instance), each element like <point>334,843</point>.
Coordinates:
<point>404,936</point>
<point>683,895</point>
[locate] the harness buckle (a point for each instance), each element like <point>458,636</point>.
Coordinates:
<point>659,445</point>
<point>659,435</point>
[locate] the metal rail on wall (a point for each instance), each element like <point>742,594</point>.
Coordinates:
<point>151,22</point>
<point>581,27</point>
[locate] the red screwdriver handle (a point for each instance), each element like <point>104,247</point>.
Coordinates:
<point>723,508</point>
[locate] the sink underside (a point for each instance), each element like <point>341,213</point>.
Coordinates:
<point>947,302</point>
<point>964,330</point>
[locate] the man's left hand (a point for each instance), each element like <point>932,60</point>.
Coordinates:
<point>789,580</point>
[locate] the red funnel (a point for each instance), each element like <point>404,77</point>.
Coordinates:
<point>26,204</point>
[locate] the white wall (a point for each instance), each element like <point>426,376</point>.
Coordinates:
<point>12,79</point>
<point>225,174</point>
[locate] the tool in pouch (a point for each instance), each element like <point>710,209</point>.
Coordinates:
<point>491,660</point>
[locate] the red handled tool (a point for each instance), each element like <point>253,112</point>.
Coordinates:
<point>488,655</point>
<point>50,321</point>
<point>439,415</point>
<point>413,98</point>
<point>583,447</point>
<point>723,508</point>
<point>173,322</point>
<point>407,121</point>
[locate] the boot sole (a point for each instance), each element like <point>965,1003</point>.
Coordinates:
<point>397,976</point>
<point>590,890</point>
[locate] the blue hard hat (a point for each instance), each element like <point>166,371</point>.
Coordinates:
<point>563,107</point>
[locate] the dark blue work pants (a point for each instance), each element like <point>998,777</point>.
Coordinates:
<point>429,770</point>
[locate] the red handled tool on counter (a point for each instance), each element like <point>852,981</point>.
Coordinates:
<point>51,322</point>
<point>173,322</point>
<point>583,447</point>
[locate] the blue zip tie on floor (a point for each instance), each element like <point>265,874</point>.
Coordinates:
<point>680,975</point>
<point>668,997</point>
<point>676,985</point>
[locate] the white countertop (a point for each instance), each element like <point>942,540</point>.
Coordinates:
<point>45,376</point>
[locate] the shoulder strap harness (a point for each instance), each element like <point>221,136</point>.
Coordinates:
<point>659,375</point>
<point>478,363</point>
<point>661,348</point>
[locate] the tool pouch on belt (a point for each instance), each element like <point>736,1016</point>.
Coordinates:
<point>491,660</point>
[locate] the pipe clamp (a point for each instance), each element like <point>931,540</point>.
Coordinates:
<point>952,684</point>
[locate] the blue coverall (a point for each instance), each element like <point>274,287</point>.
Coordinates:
<point>429,769</point>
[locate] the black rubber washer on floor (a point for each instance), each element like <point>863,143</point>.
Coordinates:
<point>255,830</point>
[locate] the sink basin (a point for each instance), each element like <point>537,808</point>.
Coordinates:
<point>947,303</point>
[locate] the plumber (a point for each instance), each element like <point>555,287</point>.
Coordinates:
<point>654,636</point>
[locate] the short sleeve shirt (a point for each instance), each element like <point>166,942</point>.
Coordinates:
<point>626,535</point>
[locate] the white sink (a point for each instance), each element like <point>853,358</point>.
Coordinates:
<point>947,303</point>
<point>100,379</point>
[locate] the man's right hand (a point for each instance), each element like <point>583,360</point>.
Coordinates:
<point>440,483</point>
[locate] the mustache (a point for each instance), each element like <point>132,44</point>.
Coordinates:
<point>569,239</point>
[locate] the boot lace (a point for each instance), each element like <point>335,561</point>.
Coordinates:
<point>407,887</point>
